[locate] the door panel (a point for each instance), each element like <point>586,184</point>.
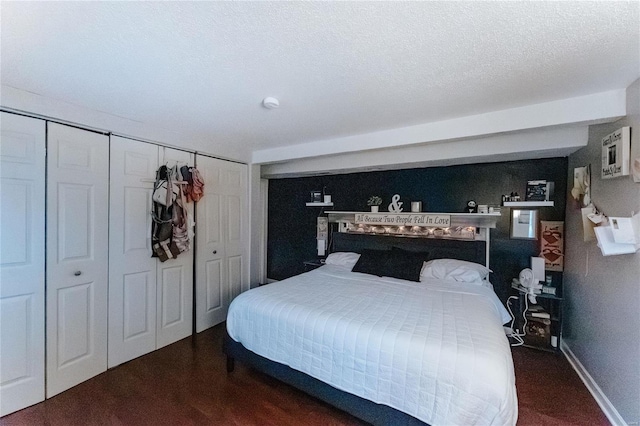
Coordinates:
<point>22,216</point>
<point>136,306</point>
<point>75,315</point>
<point>235,276</point>
<point>174,300</point>
<point>172,291</point>
<point>132,270</point>
<point>74,233</point>
<point>222,217</point>
<point>214,285</point>
<point>77,255</point>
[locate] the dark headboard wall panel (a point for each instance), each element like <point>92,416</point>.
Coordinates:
<point>291,225</point>
<point>472,251</point>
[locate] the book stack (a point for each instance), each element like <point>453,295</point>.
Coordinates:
<point>538,328</point>
<point>537,311</point>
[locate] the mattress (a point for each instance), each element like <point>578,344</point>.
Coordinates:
<point>435,350</point>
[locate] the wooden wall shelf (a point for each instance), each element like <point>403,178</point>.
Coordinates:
<point>319,204</point>
<point>529,204</point>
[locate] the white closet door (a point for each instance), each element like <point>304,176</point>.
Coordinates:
<point>132,270</point>
<point>77,255</point>
<point>174,306</point>
<point>22,196</point>
<point>222,255</point>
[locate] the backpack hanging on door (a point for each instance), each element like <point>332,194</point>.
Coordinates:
<point>180,220</point>
<point>162,244</point>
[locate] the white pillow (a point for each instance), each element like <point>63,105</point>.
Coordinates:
<point>455,270</point>
<point>346,259</point>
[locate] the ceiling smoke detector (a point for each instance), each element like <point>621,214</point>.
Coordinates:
<point>270,103</point>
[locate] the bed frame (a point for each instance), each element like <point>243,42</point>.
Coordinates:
<point>371,412</point>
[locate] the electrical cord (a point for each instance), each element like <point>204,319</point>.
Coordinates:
<point>518,336</point>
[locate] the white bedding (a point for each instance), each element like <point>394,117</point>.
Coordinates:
<point>435,350</point>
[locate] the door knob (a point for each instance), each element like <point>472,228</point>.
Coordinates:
<point>77,273</point>
<point>215,251</point>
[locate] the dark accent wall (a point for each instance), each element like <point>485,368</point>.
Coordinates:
<point>291,225</point>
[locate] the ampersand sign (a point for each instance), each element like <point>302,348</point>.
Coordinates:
<point>396,204</point>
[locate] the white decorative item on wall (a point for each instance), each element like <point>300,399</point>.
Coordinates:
<point>396,204</point>
<point>582,184</point>
<point>405,219</point>
<point>626,230</point>
<point>322,228</point>
<point>524,224</point>
<point>608,245</point>
<point>615,153</point>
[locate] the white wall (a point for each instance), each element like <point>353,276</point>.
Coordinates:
<point>602,317</point>
<point>32,103</point>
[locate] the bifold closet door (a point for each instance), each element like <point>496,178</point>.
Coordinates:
<point>174,298</point>
<point>77,255</point>
<point>221,233</point>
<point>22,215</point>
<point>132,270</point>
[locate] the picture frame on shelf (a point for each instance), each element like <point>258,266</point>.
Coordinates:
<point>524,224</point>
<point>316,196</point>
<point>536,190</point>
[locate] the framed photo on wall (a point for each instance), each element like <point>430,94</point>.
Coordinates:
<point>552,245</point>
<point>524,224</point>
<point>615,153</point>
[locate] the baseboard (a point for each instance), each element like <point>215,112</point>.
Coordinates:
<point>607,407</point>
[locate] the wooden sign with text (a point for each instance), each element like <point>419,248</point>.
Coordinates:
<point>406,219</point>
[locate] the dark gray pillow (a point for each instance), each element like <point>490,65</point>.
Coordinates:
<point>391,263</point>
<point>404,265</point>
<point>371,262</point>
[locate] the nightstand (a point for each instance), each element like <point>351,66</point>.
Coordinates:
<point>310,265</point>
<point>543,328</point>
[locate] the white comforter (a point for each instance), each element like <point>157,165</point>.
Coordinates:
<point>435,350</point>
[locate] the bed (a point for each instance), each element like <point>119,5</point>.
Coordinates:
<point>385,349</point>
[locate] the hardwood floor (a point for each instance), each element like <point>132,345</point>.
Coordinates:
<point>187,384</point>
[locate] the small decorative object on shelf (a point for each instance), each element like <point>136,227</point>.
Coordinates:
<point>316,196</point>
<point>471,207</point>
<point>396,204</point>
<point>511,197</point>
<point>374,202</point>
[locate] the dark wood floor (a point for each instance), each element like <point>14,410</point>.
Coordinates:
<point>184,384</point>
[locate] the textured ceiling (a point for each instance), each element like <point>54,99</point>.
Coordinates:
<point>338,68</point>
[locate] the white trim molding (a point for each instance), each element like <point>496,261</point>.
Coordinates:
<point>607,407</point>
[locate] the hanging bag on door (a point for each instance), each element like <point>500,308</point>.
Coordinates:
<point>162,195</point>
<point>196,189</point>
<point>162,219</point>
<point>165,190</point>
<point>180,222</point>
